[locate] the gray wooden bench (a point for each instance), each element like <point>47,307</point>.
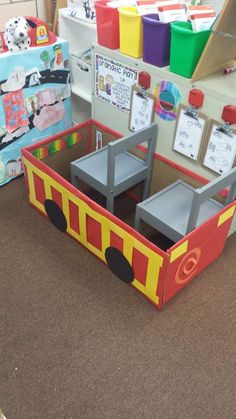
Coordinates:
<point>113,169</point>
<point>179,208</point>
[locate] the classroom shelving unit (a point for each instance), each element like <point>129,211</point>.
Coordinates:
<point>80,35</point>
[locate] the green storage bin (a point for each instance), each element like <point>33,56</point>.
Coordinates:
<point>186,48</point>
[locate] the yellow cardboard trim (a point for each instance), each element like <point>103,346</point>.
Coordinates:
<point>179,251</point>
<point>226,215</point>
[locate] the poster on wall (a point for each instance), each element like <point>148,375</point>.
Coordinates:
<point>35,101</point>
<point>113,82</point>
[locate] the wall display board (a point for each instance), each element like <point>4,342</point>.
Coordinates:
<point>189,133</point>
<point>142,109</point>
<point>113,82</point>
<point>34,101</point>
<point>221,149</point>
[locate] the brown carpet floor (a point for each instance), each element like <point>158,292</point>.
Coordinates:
<point>77,343</point>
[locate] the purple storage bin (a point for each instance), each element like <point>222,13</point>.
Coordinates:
<point>156,41</point>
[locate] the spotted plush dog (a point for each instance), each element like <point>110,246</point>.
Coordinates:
<point>16,34</point>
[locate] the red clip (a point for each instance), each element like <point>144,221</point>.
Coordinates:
<point>196,98</point>
<point>229,114</point>
<point>144,79</point>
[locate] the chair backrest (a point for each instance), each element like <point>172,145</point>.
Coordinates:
<point>210,190</point>
<point>128,142</point>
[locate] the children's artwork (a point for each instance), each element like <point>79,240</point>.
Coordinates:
<point>84,10</point>
<point>142,109</point>
<point>49,115</point>
<point>34,100</point>
<point>189,133</point>
<point>113,82</point>
<point>221,149</point>
<point>15,110</point>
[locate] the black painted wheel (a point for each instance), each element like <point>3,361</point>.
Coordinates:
<point>55,215</point>
<point>119,265</point>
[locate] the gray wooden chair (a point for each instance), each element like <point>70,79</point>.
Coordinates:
<point>179,208</point>
<point>113,169</point>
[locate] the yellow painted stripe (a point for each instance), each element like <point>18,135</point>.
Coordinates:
<point>128,250</point>
<point>226,215</point>
<point>65,207</point>
<point>30,181</point>
<point>179,251</point>
<point>153,273</point>
<point>82,223</point>
<point>48,190</point>
<point>73,233</point>
<point>106,237</point>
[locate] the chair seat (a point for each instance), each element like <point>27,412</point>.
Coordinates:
<point>168,210</point>
<point>95,166</point>
<point>113,170</point>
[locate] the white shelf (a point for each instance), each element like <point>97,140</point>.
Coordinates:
<point>81,93</point>
<point>80,35</point>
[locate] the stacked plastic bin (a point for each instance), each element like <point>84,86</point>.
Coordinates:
<point>119,28</point>
<point>131,32</point>
<point>186,48</point>
<point>156,41</point>
<point>159,43</point>
<point>108,32</point>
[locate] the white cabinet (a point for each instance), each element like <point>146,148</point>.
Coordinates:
<point>80,35</point>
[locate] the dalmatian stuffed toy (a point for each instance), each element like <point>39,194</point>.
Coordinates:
<point>16,34</point>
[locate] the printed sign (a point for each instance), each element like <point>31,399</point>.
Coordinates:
<point>113,82</point>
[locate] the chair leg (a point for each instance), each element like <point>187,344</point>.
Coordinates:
<point>146,188</point>
<point>137,222</point>
<point>73,179</point>
<point>110,203</point>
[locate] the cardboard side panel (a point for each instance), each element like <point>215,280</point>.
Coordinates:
<point>197,250</point>
<point>97,229</point>
<point>156,274</point>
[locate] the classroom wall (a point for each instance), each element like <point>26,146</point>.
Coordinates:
<point>41,9</point>
<point>11,8</point>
